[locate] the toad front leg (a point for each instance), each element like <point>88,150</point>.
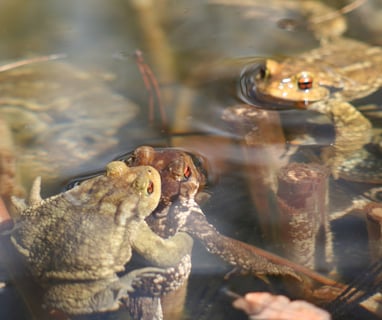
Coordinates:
<point>352,131</point>
<point>187,216</point>
<point>158,251</point>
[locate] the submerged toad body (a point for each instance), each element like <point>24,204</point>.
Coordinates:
<point>183,174</point>
<point>77,241</point>
<point>324,80</point>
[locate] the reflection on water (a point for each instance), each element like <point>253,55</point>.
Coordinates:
<point>70,117</point>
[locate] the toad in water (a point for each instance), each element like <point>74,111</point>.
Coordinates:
<point>76,242</point>
<point>324,80</point>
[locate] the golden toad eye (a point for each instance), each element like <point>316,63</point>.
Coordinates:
<point>305,81</point>
<point>187,172</point>
<point>150,187</point>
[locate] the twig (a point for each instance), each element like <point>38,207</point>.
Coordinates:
<point>151,83</point>
<point>334,14</point>
<point>21,63</point>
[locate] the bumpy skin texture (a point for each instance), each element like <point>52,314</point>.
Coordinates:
<point>182,175</point>
<point>325,80</point>
<point>77,241</point>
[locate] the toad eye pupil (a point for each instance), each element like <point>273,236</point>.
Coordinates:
<point>262,72</point>
<point>130,160</point>
<point>305,82</point>
<point>150,188</point>
<point>187,172</point>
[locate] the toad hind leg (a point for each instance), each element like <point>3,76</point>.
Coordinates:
<point>106,294</point>
<point>86,297</point>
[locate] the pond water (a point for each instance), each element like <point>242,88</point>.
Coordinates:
<point>98,107</point>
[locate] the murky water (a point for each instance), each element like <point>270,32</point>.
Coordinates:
<point>196,50</point>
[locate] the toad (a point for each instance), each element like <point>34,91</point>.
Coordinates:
<point>183,174</point>
<point>325,80</point>
<point>76,242</point>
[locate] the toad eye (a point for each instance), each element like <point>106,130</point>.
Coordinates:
<point>305,81</point>
<point>187,172</point>
<point>378,196</point>
<point>150,187</point>
<point>262,73</point>
<point>129,161</point>
<point>374,194</point>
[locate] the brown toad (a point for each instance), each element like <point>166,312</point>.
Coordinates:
<point>76,242</point>
<point>323,80</point>
<point>183,174</point>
